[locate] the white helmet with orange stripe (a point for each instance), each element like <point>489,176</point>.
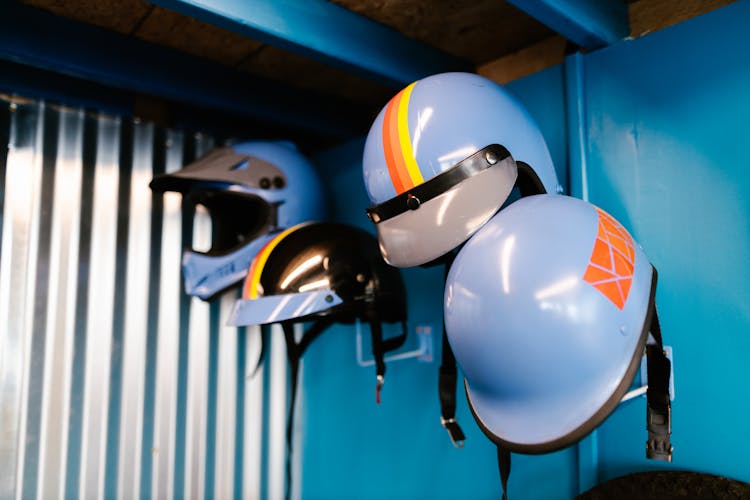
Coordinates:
<point>442,157</point>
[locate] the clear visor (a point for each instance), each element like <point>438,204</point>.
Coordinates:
<point>439,225</point>
<point>277,308</point>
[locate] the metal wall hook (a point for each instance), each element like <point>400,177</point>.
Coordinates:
<point>422,353</point>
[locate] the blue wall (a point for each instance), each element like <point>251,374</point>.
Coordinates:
<point>668,121</point>
<point>664,120</point>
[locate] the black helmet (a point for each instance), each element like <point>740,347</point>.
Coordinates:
<point>327,273</point>
<point>323,273</point>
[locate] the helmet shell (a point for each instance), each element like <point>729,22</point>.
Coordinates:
<point>546,308</point>
<point>252,190</point>
<point>302,197</point>
<point>427,129</point>
<point>321,269</point>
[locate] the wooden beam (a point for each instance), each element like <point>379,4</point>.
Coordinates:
<point>590,24</point>
<point>526,61</point>
<point>321,30</point>
<point>647,16</point>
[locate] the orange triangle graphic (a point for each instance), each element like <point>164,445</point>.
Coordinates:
<point>621,245</point>
<point>623,268</point>
<point>609,226</point>
<point>625,285</point>
<point>594,274</point>
<point>612,292</point>
<point>602,256</point>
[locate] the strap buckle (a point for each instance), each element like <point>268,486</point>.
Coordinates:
<point>454,431</point>
<point>659,424</point>
<point>379,387</point>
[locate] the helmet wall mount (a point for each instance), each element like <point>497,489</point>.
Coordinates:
<point>423,352</point>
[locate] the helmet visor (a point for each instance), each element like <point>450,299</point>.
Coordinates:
<point>417,236</point>
<point>236,218</point>
<point>222,168</point>
<point>277,308</point>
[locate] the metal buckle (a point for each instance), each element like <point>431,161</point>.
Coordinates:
<point>454,431</point>
<point>379,387</point>
<point>659,424</point>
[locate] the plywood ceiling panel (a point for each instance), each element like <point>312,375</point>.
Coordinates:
<point>166,27</point>
<point>503,42</point>
<point>476,30</point>
<point>281,65</point>
<point>647,16</point>
<point>116,15</point>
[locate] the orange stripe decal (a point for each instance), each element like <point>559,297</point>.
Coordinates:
<point>252,281</point>
<point>392,148</point>
<point>402,166</point>
<point>612,261</point>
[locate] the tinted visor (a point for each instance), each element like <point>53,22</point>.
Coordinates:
<point>236,218</point>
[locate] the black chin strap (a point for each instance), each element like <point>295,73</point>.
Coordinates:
<point>380,347</point>
<point>265,331</point>
<point>658,407</point>
<point>503,465</point>
<point>294,352</point>
<point>447,380</point>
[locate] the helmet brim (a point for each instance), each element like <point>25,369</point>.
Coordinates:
<point>283,307</point>
<point>441,224</point>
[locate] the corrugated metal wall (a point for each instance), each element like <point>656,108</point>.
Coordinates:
<point>113,383</point>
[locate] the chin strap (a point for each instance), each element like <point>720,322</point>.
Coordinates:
<point>447,380</point>
<point>380,347</point>
<point>503,465</point>
<point>265,331</point>
<point>658,406</point>
<point>295,350</point>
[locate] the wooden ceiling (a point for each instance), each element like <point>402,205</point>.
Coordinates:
<point>497,39</point>
<point>475,30</point>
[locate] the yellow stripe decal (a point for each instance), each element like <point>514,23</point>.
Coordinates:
<point>256,268</point>
<point>403,134</point>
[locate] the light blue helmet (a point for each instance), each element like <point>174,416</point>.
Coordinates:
<point>251,190</point>
<point>442,157</point>
<point>547,309</point>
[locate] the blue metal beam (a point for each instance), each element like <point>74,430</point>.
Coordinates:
<point>36,38</point>
<point>324,31</point>
<point>590,24</point>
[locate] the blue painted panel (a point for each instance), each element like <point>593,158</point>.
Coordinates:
<point>325,31</point>
<point>667,155</point>
<point>542,93</point>
<point>589,23</point>
<point>353,448</point>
